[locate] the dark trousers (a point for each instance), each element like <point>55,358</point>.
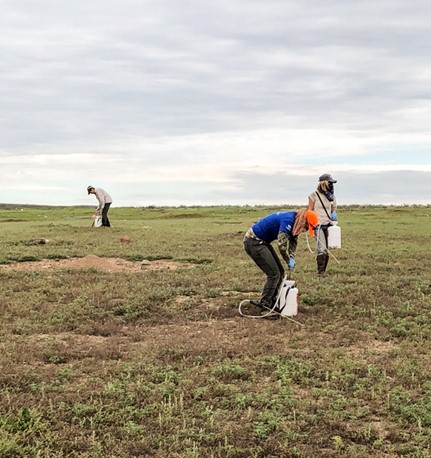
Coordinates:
<point>105,220</point>
<point>265,257</point>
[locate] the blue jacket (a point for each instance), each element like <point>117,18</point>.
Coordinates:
<point>268,227</point>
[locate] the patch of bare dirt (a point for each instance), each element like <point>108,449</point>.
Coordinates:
<point>371,348</point>
<point>96,262</point>
<point>232,336</point>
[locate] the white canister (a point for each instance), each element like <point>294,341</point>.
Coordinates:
<point>334,236</point>
<point>291,306</point>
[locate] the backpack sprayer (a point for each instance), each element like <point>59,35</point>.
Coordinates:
<point>286,304</point>
<point>334,239</point>
<point>97,220</point>
<point>334,235</point>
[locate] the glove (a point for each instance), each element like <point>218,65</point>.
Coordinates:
<point>334,216</point>
<point>291,264</point>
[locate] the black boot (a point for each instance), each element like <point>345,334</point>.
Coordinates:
<point>321,259</point>
<point>326,262</point>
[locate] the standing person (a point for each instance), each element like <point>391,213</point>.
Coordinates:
<point>285,228</point>
<point>324,203</point>
<point>105,201</point>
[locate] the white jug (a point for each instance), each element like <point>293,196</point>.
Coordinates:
<point>287,301</point>
<point>334,236</point>
<point>291,307</point>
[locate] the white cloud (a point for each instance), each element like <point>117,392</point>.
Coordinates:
<point>199,93</point>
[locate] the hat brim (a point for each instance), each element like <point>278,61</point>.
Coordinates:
<point>311,230</point>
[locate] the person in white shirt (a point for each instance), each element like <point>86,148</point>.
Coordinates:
<point>105,201</point>
<point>324,203</point>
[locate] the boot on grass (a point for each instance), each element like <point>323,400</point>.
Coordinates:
<point>326,261</point>
<point>321,263</point>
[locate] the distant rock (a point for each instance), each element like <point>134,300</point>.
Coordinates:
<point>145,263</point>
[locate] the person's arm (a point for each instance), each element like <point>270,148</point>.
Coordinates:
<point>334,205</point>
<point>101,198</point>
<point>334,216</point>
<point>311,202</point>
<point>287,245</point>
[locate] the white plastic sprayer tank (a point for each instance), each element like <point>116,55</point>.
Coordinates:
<point>291,299</point>
<point>334,236</point>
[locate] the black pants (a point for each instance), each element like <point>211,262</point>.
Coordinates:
<point>265,257</point>
<point>105,220</point>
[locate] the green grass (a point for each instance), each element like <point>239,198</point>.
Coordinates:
<point>157,363</point>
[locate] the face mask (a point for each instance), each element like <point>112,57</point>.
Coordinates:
<point>330,192</point>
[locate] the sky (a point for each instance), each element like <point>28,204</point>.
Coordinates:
<point>215,102</point>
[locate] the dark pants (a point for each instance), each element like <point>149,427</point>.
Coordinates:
<point>265,257</point>
<point>105,220</point>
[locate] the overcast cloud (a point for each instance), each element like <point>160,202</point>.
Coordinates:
<point>181,102</point>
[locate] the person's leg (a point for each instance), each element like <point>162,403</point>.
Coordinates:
<point>105,220</point>
<point>322,252</point>
<point>326,262</point>
<point>266,259</point>
<point>281,273</point>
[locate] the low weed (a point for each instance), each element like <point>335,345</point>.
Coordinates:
<point>158,363</point>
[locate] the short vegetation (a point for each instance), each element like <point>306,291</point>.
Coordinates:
<point>158,363</point>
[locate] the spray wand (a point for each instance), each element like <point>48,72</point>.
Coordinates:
<point>318,241</point>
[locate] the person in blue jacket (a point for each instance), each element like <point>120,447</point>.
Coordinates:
<point>285,228</point>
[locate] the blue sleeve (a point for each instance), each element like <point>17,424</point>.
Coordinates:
<point>286,224</point>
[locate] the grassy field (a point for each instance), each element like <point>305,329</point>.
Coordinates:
<point>158,363</point>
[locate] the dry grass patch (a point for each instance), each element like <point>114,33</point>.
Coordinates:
<point>98,263</point>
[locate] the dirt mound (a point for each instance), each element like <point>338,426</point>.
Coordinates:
<point>96,262</point>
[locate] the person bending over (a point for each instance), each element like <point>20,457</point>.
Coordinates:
<point>105,201</point>
<point>285,228</point>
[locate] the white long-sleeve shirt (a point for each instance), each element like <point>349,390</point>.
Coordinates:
<point>320,209</point>
<point>103,197</point>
